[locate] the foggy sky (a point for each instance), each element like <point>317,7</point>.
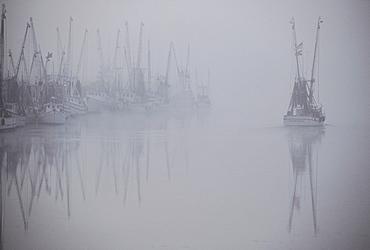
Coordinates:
<point>245,44</point>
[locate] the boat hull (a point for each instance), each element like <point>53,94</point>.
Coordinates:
<point>99,106</point>
<point>7,123</point>
<point>160,107</point>
<point>21,120</point>
<point>140,107</point>
<point>14,110</point>
<point>75,108</point>
<point>300,120</point>
<point>52,117</point>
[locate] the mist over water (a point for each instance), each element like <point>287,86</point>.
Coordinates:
<point>230,178</point>
<point>183,181</point>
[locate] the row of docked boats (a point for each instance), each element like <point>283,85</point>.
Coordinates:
<point>51,98</point>
<point>34,95</point>
<point>57,108</point>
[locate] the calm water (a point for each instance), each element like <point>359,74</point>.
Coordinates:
<point>184,181</point>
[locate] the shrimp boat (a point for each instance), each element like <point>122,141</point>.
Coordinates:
<point>52,113</point>
<point>303,109</point>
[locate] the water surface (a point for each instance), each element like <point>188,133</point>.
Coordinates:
<point>186,180</point>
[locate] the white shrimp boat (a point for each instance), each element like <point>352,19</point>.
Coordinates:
<point>303,109</point>
<point>52,113</point>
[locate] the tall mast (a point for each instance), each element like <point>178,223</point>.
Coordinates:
<point>100,52</point>
<point>128,58</point>
<point>128,52</point>
<point>297,49</point>
<point>168,65</point>
<point>12,61</point>
<point>22,53</point>
<point>68,67</point>
<point>314,58</point>
<point>149,68</point>
<point>115,66</point>
<point>2,56</point>
<point>37,53</point>
<point>59,47</point>
<point>140,46</point>
<point>82,54</point>
<point>116,49</point>
<point>186,76</point>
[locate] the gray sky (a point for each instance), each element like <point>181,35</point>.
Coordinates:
<point>245,44</point>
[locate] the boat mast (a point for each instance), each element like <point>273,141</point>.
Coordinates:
<point>21,57</point>
<point>140,47</point>
<point>128,59</point>
<point>314,60</point>
<point>68,66</point>
<point>2,56</point>
<point>39,65</point>
<point>82,54</point>
<point>11,61</point>
<point>168,65</point>
<point>139,85</point>
<point>298,51</point>
<point>187,75</point>
<point>115,66</point>
<point>149,69</point>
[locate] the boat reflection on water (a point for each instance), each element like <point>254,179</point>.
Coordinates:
<point>303,147</point>
<point>80,162</point>
<point>36,164</point>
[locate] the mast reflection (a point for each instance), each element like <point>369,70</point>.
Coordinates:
<point>303,147</point>
<point>83,161</point>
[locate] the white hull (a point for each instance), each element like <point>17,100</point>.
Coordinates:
<point>95,105</point>
<point>7,123</point>
<point>52,117</point>
<point>300,120</point>
<point>162,107</point>
<point>75,108</point>
<point>140,107</point>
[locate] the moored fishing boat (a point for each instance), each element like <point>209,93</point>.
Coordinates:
<point>303,109</point>
<point>52,113</point>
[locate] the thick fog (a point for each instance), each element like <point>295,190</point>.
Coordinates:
<point>246,45</point>
<point>232,177</point>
